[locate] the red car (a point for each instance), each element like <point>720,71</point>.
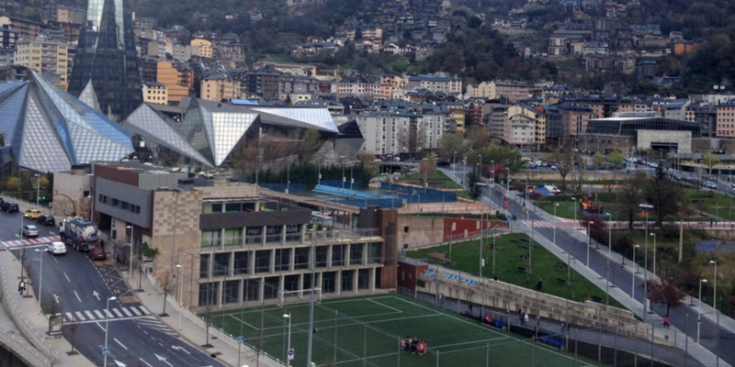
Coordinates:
<point>97,253</point>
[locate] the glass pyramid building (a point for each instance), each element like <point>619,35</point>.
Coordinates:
<point>209,131</point>
<point>105,73</point>
<point>49,130</point>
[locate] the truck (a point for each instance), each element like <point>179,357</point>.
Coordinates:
<point>79,234</point>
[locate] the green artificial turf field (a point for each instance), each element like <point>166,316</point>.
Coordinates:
<point>366,331</point>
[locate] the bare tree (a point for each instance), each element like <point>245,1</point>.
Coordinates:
<point>630,196</point>
<point>167,283</point>
<point>562,159</point>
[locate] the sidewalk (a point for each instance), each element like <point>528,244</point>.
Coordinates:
<point>25,314</point>
<point>696,350</point>
<point>193,329</point>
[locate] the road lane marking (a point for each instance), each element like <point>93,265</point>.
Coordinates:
<point>77,294</point>
<point>125,310</point>
<point>118,313</point>
<point>70,316</point>
<point>67,277</point>
<point>89,314</point>
<point>99,314</point>
<point>98,324</point>
<point>79,316</point>
<point>121,344</point>
<point>146,363</point>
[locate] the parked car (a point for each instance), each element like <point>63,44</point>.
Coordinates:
<point>2,201</point>
<point>46,220</point>
<point>710,185</point>
<point>32,213</point>
<point>29,230</point>
<point>97,253</point>
<point>57,248</point>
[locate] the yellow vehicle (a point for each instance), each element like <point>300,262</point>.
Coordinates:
<point>32,213</point>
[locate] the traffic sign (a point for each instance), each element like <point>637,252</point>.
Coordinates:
<point>106,350</point>
<point>290,354</point>
<point>240,340</point>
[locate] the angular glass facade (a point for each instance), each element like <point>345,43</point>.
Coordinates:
<point>209,131</point>
<point>48,130</point>
<point>106,63</point>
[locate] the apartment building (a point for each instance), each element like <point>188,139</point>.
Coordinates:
<point>27,29</point>
<point>227,244</point>
<point>512,91</point>
<point>297,88</point>
<point>201,47</point>
<point>154,92</point>
<point>436,83</point>
<point>497,122</point>
<point>178,79</point>
<point>70,14</point>
<point>45,57</point>
<point>219,87</point>
<point>400,132</point>
<point>574,118</point>
<point>527,126</point>
<point>726,119</point>
<point>8,37</point>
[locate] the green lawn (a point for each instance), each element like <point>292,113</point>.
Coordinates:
<point>350,329</point>
<point>715,203</point>
<point>438,180</point>
<point>508,254</point>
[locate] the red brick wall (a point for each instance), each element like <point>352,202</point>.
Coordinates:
<point>469,224</point>
<point>407,274</point>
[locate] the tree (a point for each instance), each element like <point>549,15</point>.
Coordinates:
<point>498,154</point>
<point>630,196</point>
<point>663,194</point>
<point>599,159</point>
<point>665,292</point>
<point>309,145</point>
<point>144,251</point>
<point>368,162</point>
<point>44,182</point>
<point>448,145</point>
<point>710,161</point>
<point>167,283</point>
<point>13,184</point>
<point>562,159</point>
<point>616,158</point>
<point>427,168</point>
<point>597,226</point>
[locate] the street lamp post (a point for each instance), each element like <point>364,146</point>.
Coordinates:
<point>40,279</point>
<point>609,239</point>
<point>635,271</point>
<point>654,254</point>
<point>288,344</point>
<point>107,329</point>
<point>454,163</point>
<point>556,220</point>
<point>699,308</point>
<point>342,163</point>
<point>714,301</point>
<point>589,242</point>
<point>645,275</point>
<point>130,259</point>
<point>181,293</point>
<point>574,209</point>
<point>507,181</point>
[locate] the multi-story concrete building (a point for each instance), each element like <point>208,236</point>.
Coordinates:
<point>497,122</point>
<point>574,118</point>
<point>178,79</point>
<point>155,92</point>
<point>297,88</point>
<point>400,133</point>
<point>201,47</point>
<point>50,58</point>
<point>227,244</point>
<point>8,37</point>
<point>69,14</point>
<point>27,29</point>
<point>230,51</point>
<point>436,83</point>
<point>726,119</point>
<point>458,113</point>
<point>527,126</point>
<point>264,82</point>
<point>512,91</point>
<point>219,87</point>
<point>7,57</point>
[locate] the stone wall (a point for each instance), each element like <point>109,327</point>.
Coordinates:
<point>504,295</point>
<point>419,231</point>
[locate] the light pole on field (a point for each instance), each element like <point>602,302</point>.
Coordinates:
<point>714,276</point>
<point>106,351</point>
<point>288,345</point>
<point>699,308</point>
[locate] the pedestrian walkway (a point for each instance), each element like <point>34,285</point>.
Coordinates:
<point>30,241</point>
<point>103,314</point>
<point>192,328</point>
<point>548,224</point>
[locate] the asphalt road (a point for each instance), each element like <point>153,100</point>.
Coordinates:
<point>78,288</point>
<point>717,340</point>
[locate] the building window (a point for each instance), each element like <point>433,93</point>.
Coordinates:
<point>254,235</point>
<point>321,256</point>
<point>221,266</point>
<point>272,286</point>
<point>348,277</point>
<point>356,254</point>
<point>375,253</point>
<point>328,279</point>
<point>251,289</point>
<point>301,258</point>
<point>283,259</point>
<point>210,238</point>
<point>204,266</point>
<point>233,236</point>
<point>338,255</point>
<point>273,233</point>
<point>241,263</point>
<point>231,291</point>
<point>208,293</point>
<point>293,232</point>
<point>363,279</point>
<point>263,261</point>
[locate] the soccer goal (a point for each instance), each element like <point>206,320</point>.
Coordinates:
<point>296,297</point>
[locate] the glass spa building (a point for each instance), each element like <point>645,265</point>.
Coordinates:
<point>105,74</point>
<point>48,130</point>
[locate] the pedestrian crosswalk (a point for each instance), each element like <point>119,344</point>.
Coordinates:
<point>30,241</point>
<point>547,224</point>
<point>155,324</point>
<point>112,313</point>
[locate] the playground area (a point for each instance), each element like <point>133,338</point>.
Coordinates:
<point>367,331</point>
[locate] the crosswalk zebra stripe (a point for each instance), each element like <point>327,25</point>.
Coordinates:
<point>70,316</point>
<point>118,313</point>
<point>99,314</point>
<point>125,310</point>
<point>79,316</point>
<point>89,315</point>
<point>109,314</point>
<point>145,311</point>
<point>135,311</point>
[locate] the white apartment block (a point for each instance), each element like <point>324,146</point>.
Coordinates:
<point>390,133</point>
